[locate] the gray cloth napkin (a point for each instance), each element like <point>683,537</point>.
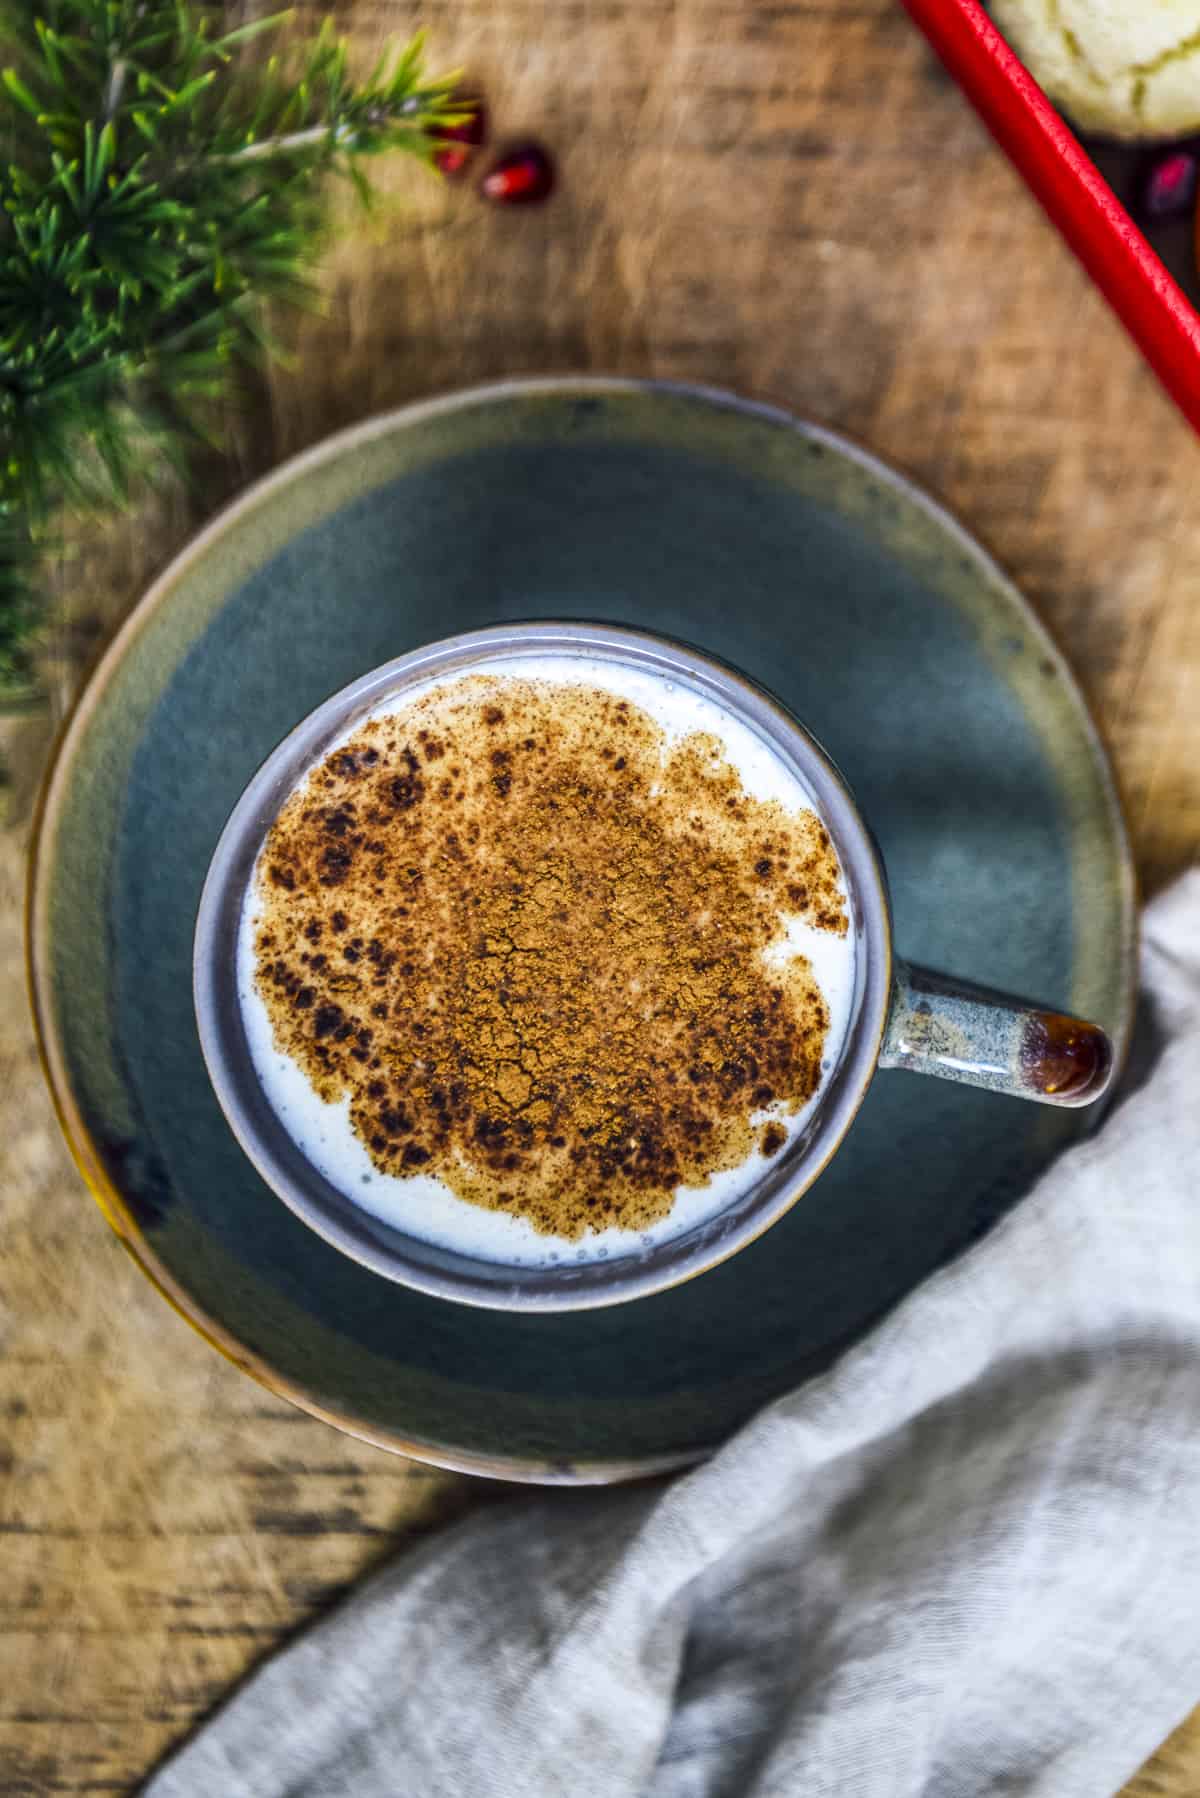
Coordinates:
<point>965,1561</point>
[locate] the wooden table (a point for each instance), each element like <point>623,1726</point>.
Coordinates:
<point>787,198</point>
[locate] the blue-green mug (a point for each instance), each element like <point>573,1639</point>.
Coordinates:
<point>902,1016</point>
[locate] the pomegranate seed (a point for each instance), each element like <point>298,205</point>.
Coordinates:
<point>522,178</point>
<point>1169,185</point>
<point>458,143</point>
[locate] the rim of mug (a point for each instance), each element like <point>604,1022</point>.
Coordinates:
<point>409,1260</point>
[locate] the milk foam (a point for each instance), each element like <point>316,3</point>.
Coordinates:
<point>421,1204</point>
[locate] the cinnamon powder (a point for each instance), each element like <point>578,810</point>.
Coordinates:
<point>525,935</point>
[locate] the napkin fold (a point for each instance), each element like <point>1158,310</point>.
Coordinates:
<point>965,1561</point>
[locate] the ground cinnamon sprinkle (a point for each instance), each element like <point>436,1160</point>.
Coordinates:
<point>530,950</point>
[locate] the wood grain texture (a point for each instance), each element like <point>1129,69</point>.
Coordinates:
<point>787,198</point>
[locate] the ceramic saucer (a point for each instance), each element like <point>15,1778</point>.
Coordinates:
<point>780,548</point>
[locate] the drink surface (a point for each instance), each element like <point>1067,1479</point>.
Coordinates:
<point>547,961</point>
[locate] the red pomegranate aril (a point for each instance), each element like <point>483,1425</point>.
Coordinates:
<point>1169,185</point>
<point>523,177</point>
<point>457,144</point>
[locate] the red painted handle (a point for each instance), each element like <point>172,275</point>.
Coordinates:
<point>1153,308</point>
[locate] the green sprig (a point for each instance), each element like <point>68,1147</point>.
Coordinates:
<point>159,180</point>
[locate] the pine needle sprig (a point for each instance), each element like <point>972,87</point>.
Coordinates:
<point>160,179</point>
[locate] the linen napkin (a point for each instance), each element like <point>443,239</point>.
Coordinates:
<point>966,1561</point>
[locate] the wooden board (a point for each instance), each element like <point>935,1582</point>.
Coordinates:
<point>787,198</point>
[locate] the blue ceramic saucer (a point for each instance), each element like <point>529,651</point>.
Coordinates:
<point>773,545</point>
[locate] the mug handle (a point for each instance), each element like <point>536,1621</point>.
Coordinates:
<point>958,1031</point>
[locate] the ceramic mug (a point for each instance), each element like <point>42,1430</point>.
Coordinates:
<point>902,1016</point>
